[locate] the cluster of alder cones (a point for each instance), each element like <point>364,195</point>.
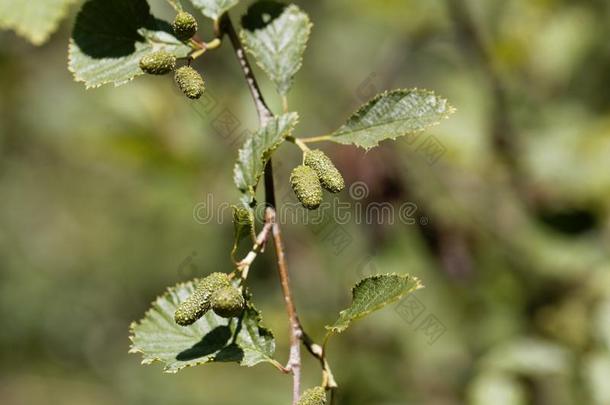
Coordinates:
<point>162,62</point>
<point>316,172</point>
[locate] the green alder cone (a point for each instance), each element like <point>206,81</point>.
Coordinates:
<point>185,26</point>
<point>158,63</point>
<point>190,82</point>
<point>306,186</point>
<point>329,176</point>
<point>228,302</point>
<point>199,303</point>
<point>313,396</point>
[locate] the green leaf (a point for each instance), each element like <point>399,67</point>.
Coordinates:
<point>34,20</point>
<point>211,339</point>
<point>373,293</point>
<point>393,114</point>
<point>276,36</point>
<point>256,151</point>
<point>243,222</point>
<point>111,36</point>
<point>214,8</point>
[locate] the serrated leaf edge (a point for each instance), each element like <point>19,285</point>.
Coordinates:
<point>305,39</point>
<point>251,191</point>
<point>418,285</point>
<point>148,360</point>
<point>259,321</point>
<point>89,86</point>
<point>72,44</point>
<point>450,110</point>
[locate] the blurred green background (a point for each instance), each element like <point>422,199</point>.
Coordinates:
<point>100,192</point>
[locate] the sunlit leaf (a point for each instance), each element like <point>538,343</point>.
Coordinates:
<point>372,294</point>
<point>214,8</point>
<point>111,36</point>
<point>211,339</point>
<point>257,149</point>
<point>393,114</point>
<point>243,221</point>
<point>277,37</point>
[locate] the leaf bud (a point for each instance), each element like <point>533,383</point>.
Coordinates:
<point>242,216</point>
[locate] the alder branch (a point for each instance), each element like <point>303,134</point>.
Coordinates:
<point>259,244</point>
<point>297,334</point>
<point>264,113</point>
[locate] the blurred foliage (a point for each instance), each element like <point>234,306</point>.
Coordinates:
<point>513,218</point>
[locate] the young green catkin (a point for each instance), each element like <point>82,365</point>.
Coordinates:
<point>306,186</point>
<point>198,303</point>
<point>185,26</point>
<point>228,302</point>
<point>329,176</point>
<point>190,82</point>
<point>158,63</point>
<point>313,396</point>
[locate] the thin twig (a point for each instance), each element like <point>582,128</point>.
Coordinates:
<point>264,113</point>
<point>298,142</point>
<point>296,333</point>
<point>269,185</point>
<point>312,139</point>
<point>244,265</point>
<point>317,351</point>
